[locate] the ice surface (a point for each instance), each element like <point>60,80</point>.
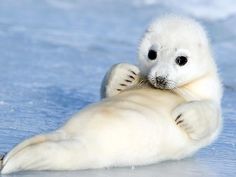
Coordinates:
<point>54,53</point>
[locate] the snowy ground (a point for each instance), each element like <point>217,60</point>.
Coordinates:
<point>54,53</point>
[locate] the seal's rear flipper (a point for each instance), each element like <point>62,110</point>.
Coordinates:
<point>1,160</point>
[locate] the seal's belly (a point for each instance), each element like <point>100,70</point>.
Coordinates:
<point>131,124</point>
<point>155,100</point>
<point>152,104</point>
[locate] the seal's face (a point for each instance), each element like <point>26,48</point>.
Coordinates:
<point>174,52</point>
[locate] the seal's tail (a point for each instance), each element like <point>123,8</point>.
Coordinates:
<point>32,141</point>
<point>42,152</point>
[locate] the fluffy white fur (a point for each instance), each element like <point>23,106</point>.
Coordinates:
<point>140,125</point>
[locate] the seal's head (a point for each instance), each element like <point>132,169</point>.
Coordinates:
<point>174,51</point>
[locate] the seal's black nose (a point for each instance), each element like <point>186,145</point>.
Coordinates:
<point>161,81</point>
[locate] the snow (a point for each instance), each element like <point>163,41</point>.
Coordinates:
<point>54,53</point>
<point>214,9</point>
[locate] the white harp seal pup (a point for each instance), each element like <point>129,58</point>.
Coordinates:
<point>165,109</point>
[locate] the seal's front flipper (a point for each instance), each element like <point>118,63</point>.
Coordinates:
<point>120,77</point>
<point>199,119</point>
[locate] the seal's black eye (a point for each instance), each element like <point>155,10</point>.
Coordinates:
<point>181,60</point>
<point>152,54</point>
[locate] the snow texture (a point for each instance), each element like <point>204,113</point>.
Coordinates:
<point>54,53</point>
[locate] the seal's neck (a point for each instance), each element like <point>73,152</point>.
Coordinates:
<point>207,87</point>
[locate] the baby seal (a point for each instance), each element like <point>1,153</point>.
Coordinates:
<point>165,109</point>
